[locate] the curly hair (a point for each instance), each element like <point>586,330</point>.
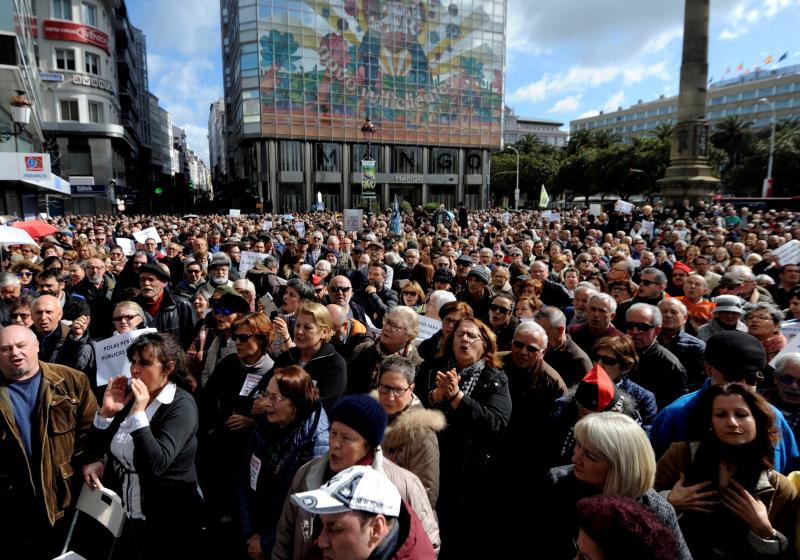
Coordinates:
<point>489,340</point>
<point>623,528</point>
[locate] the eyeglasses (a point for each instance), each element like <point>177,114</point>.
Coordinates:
<point>396,391</point>
<point>410,294</point>
<point>607,360</point>
<point>646,282</point>
<point>785,379</point>
<point>128,318</point>
<point>272,396</point>
<point>391,325</point>
<point>243,337</point>
<point>223,311</point>
<point>193,271</point>
<point>20,315</point>
<point>642,327</point>
<point>499,309</point>
<point>531,348</point>
<point>451,320</point>
<point>24,274</point>
<point>338,289</point>
<point>469,334</point>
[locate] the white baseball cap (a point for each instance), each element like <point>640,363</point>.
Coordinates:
<point>358,488</point>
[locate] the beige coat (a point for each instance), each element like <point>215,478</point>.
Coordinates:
<point>295,532</point>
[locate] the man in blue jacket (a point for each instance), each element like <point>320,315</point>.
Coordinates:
<point>731,357</point>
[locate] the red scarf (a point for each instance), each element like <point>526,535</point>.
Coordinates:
<point>152,308</point>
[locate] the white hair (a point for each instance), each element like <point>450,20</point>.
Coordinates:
<point>532,327</point>
<point>439,297</point>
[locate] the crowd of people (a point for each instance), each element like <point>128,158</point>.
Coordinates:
<point>625,383</point>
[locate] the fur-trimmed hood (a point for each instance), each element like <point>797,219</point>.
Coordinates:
<point>410,423</point>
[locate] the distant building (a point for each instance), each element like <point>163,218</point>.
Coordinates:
<point>739,96</point>
<point>218,143</point>
<point>549,132</point>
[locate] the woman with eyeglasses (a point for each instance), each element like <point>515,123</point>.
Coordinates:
<point>227,415</point>
<point>128,316</point>
<point>763,321</point>
<point>413,296</point>
<point>400,329</point>
<point>465,382</point>
<point>26,271</point>
<point>733,504</point>
<point>292,431</point>
<point>612,456</point>
<point>410,439</point>
<point>19,312</point>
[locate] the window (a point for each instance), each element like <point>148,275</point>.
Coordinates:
<point>65,59</point>
<point>69,110</point>
<point>92,63</point>
<point>62,9</point>
<point>89,14</point>
<point>95,112</point>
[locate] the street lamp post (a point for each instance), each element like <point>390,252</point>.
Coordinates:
<point>367,132</point>
<point>766,189</point>
<point>516,190</point>
<point>21,115</point>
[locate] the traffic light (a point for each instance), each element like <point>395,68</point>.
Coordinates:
<point>191,184</point>
<point>158,190</point>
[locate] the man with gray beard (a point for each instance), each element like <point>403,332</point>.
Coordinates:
<point>97,289</point>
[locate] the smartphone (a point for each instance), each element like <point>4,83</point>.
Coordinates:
<point>273,314</point>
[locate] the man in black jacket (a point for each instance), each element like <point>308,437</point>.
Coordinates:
<point>652,284</point>
<point>376,299</point>
<point>59,343</point>
<point>163,311</point>
<point>97,289</point>
<point>73,305</point>
<point>553,293</point>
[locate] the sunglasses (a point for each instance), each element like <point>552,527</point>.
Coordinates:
<point>24,274</point>
<point>608,360</point>
<point>531,348</point>
<point>28,316</point>
<point>242,337</point>
<point>223,311</point>
<point>193,271</point>
<point>645,282</point>
<point>785,379</point>
<point>128,318</point>
<point>499,309</point>
<point>337,289</point>
<point>641,327</point>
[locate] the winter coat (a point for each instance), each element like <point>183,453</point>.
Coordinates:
<point>175,317</point>
<point>559,495</point>
<point>362,375</point>
<point>772,489</point>
<point>59,430</point>
<point>59,347</point>
<point>410,442</point>
<point>99,301</point>
<point>295,533</point>
<point>275,455</point>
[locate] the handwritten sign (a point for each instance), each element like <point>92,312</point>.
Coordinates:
<point>234,212</point>
<point>300,228</point>
<point>623,207</point>
<point>788,253</point>
<point>145,234</point>
<point>790,329</point>
<point>111,355</point>
<point>266,225</point>
<point>250,260</point>
<point>353,218</point>
<point>128,246</point>
<point>428,327</point>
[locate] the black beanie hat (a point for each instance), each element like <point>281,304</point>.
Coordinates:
<point>364,414</point>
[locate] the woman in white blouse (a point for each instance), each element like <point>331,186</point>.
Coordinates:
<point>143,446</point>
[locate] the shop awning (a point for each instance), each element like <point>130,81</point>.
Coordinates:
<point>31,170</point>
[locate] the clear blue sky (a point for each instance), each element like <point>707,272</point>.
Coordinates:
<point>565,58</point>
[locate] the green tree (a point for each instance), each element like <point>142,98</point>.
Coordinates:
<point>735,137</point>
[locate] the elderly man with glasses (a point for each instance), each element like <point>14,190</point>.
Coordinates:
<point>97,288</point>
<point>340,292</point>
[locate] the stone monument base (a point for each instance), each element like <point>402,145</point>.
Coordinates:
<point>687,178</point>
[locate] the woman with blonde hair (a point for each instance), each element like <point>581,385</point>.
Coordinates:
<point>612,456</point>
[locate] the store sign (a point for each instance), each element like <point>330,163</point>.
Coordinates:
<point>92,81</point>
<point>51,77</point>
<point>75,32</point>
<point>88,189</point>
<point>34,166</point>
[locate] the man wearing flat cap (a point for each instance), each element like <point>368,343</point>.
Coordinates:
<point>731,357</point>
<point>477,293</point>
<point>164,311</point>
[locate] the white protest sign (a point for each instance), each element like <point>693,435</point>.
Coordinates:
<point>506,217</point>
<point>267,225</point>
<point>145,234</point>
<point>792,347</point>
<point>790,329</point>
<point>111,356</point>
<point>788,253</point>
<point>428,327</point>
<point>648,228</point>
<point>551,215</point>
<point>128,246</point>
<point>234,212</point>
<point>250,382</point>
<point>353,218</point>
<point>595,209</point>
<point>250,260</point>
<point>624,207</point>
<point>300,228</point>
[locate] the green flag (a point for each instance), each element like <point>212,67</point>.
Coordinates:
<point>544,199</point>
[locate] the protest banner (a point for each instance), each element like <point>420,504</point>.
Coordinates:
<point>623,207</point>
<point>128,246</point>
<point>648,228</point>
<point>428,327</point>
<point>145,234</point>
<point>551,215</point>
<point>266,225</point>
<point>300,228</point>
<point>111,355</point>
<point>250,259</point>
<point>353,218</point>
<point>234,212</point>
<point>788,253</point>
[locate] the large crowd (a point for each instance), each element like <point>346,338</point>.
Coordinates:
<point>455,384</point>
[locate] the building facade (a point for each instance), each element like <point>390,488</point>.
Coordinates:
<point>218,143</point>
<point>749,97</point>
<point>547,131</point>
<point>301,77</point>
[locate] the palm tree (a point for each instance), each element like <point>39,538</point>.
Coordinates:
<point>528,144</point>
<point>605,138</point>
<point>580,140</point>
<point>663,131</point>
<point>733,136</point>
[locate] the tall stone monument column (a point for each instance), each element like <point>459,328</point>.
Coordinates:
<point>688,175</point>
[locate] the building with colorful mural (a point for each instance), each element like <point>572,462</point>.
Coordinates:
<point>301,77</point>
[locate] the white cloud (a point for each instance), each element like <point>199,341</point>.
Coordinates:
<point>188,27</point>
<point>588,114</point>
<point>747,14</point>
<point>197,140</point>
<point>614,102</point>
<point>566,105</point>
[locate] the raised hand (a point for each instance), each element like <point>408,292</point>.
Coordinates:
<point>141,395</point>
<point>692,497</point>
<point>116,396</point>
<point>79,326</point>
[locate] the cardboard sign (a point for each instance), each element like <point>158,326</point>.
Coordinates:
<point>428,327</point>
<point>250,260</point>
<point>145,234</point>
<point>624,207</point>
<point>788,253</point>
<point>267,225</point>
<point>353,218</point>
<point>111,355</point>
<point>300,228</point>
<point>551,215</point>
<point>234,213</point>
<point>648,228</point>
<point>128,246</point>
